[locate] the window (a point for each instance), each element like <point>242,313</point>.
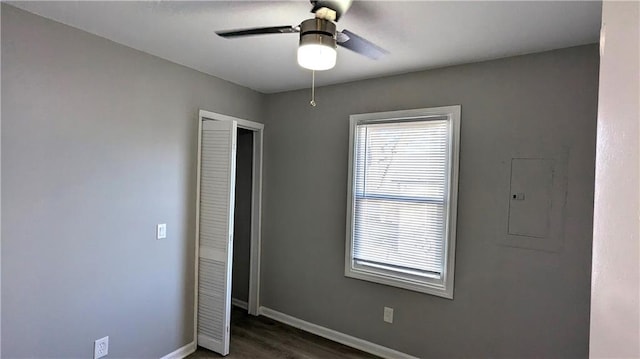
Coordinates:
<point>401,210</point>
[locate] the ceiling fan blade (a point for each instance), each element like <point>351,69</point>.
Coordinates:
<point>259,31</point>
<point>353,42</point>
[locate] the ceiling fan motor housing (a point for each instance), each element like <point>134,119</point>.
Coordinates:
<point>318,31</point>
<point>338,6</point>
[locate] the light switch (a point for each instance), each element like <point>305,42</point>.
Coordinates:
<point>388,315</point>
<point>161,231</point>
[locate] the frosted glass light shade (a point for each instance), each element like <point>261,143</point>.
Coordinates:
<point>317,56</point>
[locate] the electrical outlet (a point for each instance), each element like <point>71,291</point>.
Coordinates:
<point>161,232</point>
<point>101,348</point>
<point>388,315</point>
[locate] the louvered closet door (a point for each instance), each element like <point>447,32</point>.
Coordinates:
<point>217,192</point>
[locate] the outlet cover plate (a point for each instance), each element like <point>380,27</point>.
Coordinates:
<point>101,348</point>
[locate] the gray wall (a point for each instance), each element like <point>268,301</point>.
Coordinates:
<point>242,216</point>
<point>509,301</point>
<point>98,146</point>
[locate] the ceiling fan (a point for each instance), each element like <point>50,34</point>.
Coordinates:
<point>318,36</point>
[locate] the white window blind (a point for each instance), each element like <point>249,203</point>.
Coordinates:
<point>402,177</point>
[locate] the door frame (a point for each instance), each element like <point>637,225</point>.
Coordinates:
<point>256,210</point>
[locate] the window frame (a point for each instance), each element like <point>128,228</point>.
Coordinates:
<point>443,286</point>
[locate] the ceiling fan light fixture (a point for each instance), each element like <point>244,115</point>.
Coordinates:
<point>317,50</point>
<point>317,57</point>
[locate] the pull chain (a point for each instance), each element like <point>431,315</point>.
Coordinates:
<point>313,88</point>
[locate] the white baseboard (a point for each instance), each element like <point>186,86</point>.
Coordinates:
<point>183,352</point>
<point>239,303</point>
<point>331,334</point>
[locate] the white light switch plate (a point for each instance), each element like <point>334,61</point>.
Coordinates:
<point>388,315</point>
<point>161,232</point>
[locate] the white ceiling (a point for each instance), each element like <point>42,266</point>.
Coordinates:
<point>419,34</point>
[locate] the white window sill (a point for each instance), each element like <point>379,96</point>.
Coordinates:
<point>432,287</point>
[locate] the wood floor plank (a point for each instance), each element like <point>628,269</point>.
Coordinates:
<point>263,338</point>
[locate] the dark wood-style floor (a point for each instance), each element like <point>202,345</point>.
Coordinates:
<point>260,337</point>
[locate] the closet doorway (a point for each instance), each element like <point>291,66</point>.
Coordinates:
<point>229,181</point>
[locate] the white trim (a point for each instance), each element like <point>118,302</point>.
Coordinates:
<point>183,352</point>
<point>239,303</point>
<point>442,287</point>
<point>196,261</point>
<point>246,124</point>
<point>335,336</point>
<point>256,223</point>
